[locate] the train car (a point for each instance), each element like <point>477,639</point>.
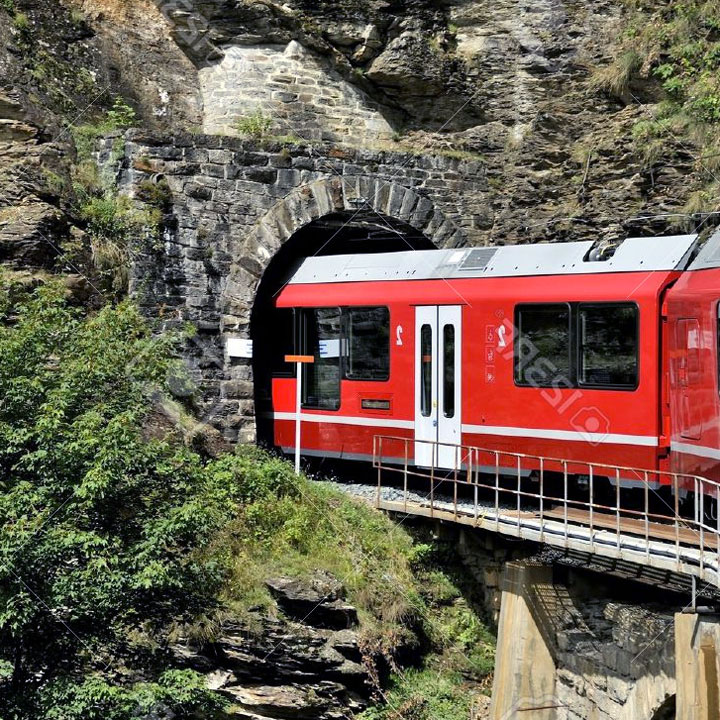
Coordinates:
<point>692,365</point>
<point>552,350</point>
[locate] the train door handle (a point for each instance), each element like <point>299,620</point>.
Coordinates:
<point>435,422</point>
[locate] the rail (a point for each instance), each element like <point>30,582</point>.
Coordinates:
<point>570,504</point>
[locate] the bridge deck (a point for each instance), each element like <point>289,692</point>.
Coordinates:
<point>661,539</point>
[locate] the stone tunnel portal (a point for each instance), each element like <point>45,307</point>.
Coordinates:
<point>343,232</point>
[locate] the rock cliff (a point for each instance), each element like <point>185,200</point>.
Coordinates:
<point>512,84</point>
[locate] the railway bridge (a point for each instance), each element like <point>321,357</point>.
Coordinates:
<point>238,217</point>
<point>658,666</point>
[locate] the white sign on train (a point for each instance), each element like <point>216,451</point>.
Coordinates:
<point>329,348</point>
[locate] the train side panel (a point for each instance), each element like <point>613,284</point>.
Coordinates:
<point>692,368</point>
<point>620,427</point>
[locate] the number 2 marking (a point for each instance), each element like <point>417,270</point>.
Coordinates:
<point>399,335</point>
<point>502,342</point>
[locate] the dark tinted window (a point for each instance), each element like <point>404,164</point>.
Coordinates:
<point>426,370</point>
<point>449,371</point>
<point>280,342</point>
<point>542,345</point>
<point>322,337</point>
<point>368,343</point>
<point>608,345</point>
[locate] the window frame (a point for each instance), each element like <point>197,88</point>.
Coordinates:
<point>575,344</point>
<point>517,334</point>
<point>290,370</point>
<point>300,340</point>
<point>345,341</point>
<point>304,405</point>
<point>446,395</point>
<point>579,346</point>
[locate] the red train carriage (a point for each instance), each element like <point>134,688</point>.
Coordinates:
<point>548,350</point>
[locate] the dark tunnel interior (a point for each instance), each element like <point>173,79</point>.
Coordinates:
<point>349,232</point>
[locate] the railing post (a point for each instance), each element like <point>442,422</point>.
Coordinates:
<point>542,494</point>
<point>717,535</point>
<point>677,520</point>
<point>647,516</point>
<point>379,469</point>
<point>565,500</point>
<point>591,490</point>
<point>519,486</point>
<point>433,456</point>
<point>455,484</point>
<point>617,507</point>
<point>497,491</point>
<point>405,474</point>
<point>702,528</point>
<point>473,458</point>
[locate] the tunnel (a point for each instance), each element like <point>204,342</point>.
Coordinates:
<point>363,230</point>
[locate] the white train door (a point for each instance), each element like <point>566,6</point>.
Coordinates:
<point>438,353</point>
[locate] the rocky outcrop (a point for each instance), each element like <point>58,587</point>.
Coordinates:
<point>286,668</point>
<point>318,602</point>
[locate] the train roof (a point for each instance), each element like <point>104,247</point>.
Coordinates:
<point>666,253</point>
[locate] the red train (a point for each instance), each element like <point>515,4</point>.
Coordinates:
<point>559,350</point>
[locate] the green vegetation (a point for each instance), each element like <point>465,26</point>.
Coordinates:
<point>21,22</point>
<point>115,535</point>
<point>114,223</point>
<point>672,49</point>
<point>100,528</point>
<point>460,660</point>
<point>256,125</point>
<point>119,117</point>
<point>8,5</point>
<point>678,44</point>
<point>615,78</point>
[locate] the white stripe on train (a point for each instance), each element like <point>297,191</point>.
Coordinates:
<point>698,450</point>
<point>539,433</point>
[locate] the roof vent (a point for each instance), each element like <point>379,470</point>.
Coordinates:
<point>601,251</point>
<point>477,258</point>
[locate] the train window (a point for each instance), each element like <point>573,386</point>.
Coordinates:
<point>608,345</point>
<point>322,332</point>
<point>368,343</point>
<point>542,345</point>
<point>426,370</point>
<point>449,371</point>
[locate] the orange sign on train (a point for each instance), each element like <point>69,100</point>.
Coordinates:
<point>299,359</point>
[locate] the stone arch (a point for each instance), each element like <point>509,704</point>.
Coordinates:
<point>313,201</point>
<point>297,210</point>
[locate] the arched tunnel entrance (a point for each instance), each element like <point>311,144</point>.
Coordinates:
<point>337,233</point>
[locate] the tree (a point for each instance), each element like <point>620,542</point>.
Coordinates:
<point>104,531</point>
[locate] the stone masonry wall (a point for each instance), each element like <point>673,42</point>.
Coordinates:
<point>293,87</point>
<point>233,206</point>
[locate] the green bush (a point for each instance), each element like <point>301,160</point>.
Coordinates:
<point>679,44</point>
<point>21,22</point>
<point>101,529</point>
<point>114,538</point>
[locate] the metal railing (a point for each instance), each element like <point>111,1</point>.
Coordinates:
<point>576,504</point>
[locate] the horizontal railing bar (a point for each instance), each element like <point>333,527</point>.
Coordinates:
<point>480,462</point>
<point>559,461</point>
